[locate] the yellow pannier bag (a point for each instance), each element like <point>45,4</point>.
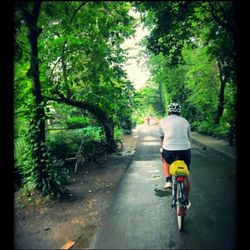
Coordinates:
<point>178,167</point>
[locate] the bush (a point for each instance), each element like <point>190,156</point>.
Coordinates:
<point>52,183</point>
<point>23,163</point>
<point>66,143</point>
<point>118,133</point>
<point>58,147</point>
<point>210,128</point>
<point>62,145</point>
<point>27,177</point>
<point>205,127</point>
<point>77,122</point>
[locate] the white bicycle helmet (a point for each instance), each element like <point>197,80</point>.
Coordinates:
<point>174,107</point>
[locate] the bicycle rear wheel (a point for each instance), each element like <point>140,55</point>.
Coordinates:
<point>180,209</point>
<point>119,146</point>
<point>180,217</point>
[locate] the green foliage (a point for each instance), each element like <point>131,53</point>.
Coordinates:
<point>84,56</point>
<point>210,128</point>
<point>140,119</point>
<point>77,122</point>
<point>54,177</point>
<point>148,101</point>
<point>62,145</point>
<point>178,23</point>
<point>118,133</point>
<point>195,85</point>
<point>23,98</point>
<point>66,143</point>
<point>197,35</point>
<point>79,57</point>
<point>202,82</point>
<point>25,165</point>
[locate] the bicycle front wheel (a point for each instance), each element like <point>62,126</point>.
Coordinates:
<point>101,158</point>
<point>100,153</point>
<point>78,163</point>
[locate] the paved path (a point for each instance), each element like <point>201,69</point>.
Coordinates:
<point>138,218</point>
<point>221,146</point>
<point>141,218</point>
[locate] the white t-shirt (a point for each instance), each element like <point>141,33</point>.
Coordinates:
<point>175,130</point>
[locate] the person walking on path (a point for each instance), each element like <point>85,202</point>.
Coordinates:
<point>174,133</point>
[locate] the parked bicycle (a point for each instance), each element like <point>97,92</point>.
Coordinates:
<point>99,153</point>
<point>179,171</point>
<point>115,147</point>
<point>103,149</point>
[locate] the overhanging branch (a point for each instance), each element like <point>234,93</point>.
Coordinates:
<point>94,109</point>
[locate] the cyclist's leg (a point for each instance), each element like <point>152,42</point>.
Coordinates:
<point>167,159</point>
<point>165,167</point>
<point>187,157</point>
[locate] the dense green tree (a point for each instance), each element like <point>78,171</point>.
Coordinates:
<point>202,81</point>
<point>170,81</point>
<point>85,56</point>
<point>175,25</point>
<point>76,60</point>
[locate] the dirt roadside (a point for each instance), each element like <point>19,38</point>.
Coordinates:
<point>76,217</point>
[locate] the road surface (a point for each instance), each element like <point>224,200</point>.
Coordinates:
<point>141,216</point>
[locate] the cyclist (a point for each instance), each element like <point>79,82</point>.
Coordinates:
<point>174,133</point>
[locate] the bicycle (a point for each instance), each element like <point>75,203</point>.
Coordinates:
<point>92,152</point>
<point>179,171</point>
<point>99,153</point>
<point>103,149</point>
<point>115,147</point>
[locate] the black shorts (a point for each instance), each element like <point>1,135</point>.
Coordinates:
<point>171,155</point>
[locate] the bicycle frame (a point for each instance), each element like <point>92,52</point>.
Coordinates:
<point>96,154</point>
<point>99,153</point>
<point>111,148</point>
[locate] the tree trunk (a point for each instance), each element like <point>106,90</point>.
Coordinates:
<point>38,131</point>
<point>162,99</point>
<point>221,95</point>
